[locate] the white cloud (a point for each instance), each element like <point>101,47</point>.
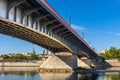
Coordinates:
<point>80,28</point>
<point>77,27</point>
<point>117,34</point>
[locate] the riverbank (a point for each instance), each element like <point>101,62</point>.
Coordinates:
<point>113,63</point>
<point>20,64</point>
<point>12,69</point>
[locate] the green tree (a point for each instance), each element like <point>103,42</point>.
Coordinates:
<point>112,53</point>
<point>33,57</point>
<point>6,57</point>
<point>19,56</point>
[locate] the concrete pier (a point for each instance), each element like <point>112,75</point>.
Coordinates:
<point>83,64</point>
<point>59,63</point>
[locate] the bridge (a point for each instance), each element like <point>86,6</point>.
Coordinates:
<point>37,22</point>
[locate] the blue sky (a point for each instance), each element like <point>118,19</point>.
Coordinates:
<point>98,19</point>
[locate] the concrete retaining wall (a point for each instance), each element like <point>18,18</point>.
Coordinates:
<point>18,64</point>
<point>113,63</point>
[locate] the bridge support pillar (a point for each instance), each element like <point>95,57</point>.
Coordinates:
<point>83,64</point>
<point>59,63</point>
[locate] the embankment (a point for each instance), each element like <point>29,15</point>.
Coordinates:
<point>19,64</point>
<point>113,63</point>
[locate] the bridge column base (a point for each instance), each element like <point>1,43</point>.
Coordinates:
<point>83,64</point>
<point>59,63</point>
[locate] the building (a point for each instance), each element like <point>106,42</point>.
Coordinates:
<point>1,58</point>
<point>104,51</point>
<point>27,54</point>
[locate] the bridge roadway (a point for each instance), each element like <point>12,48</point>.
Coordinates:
<point>37,22</point>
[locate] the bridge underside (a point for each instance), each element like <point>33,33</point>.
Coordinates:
<point>26,33</point>
<point>35,21</point>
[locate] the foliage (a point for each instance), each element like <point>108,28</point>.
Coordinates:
<point>19,56</point>
<point>6,57</point>
<point>22,57</point>
<point>112,53</point>
<point>33,57</point>
<point>112,76</point>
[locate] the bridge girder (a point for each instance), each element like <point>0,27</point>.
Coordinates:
<point>55,26</point>
<point>66,35</point>
<point>30,11</point>
<point>58,30</point>
<point>36,19</point>
<point>63,32</point>
<point>49,22</point>
<point>28,34</point>
<point>15,3</point>
<point>71,39</point>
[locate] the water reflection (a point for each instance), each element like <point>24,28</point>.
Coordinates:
<point>19,73</point>
<point>111,76</point>
<point>92,76</point>
<point>19,76</point>
<point>68,76</point>
<point>29,73</point>
<point>56,76</point>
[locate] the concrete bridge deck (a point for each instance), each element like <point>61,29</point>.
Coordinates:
<point>37,22</point>
<point>55,34</point>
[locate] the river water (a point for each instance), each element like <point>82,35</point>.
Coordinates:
<point>30,73</point>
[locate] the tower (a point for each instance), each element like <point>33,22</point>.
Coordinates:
<point>33,51</point>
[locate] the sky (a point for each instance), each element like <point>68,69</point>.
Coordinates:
<point>99,20</point>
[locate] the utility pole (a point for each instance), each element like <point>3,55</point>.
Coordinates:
<point>69,16</point>
<point>91,45</point>
<point>83,35</point>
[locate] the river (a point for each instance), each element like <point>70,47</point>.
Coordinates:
<point>30,73</point>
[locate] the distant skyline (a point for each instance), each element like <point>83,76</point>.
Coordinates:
<point>98,19</point>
